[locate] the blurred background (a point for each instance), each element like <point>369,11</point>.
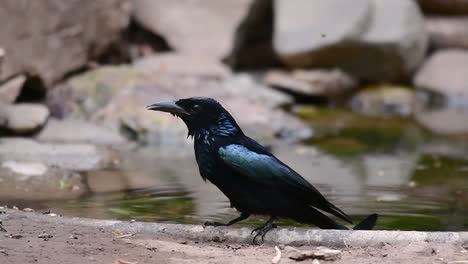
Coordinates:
<point>367,99</point>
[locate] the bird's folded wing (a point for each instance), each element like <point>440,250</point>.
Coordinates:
<point>270,171</point>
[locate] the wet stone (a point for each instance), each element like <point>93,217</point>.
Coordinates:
<point>23,118</point>
<point>65,156</point>
<point>79,131</point>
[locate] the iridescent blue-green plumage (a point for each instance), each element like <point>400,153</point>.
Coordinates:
<point>253,179</point>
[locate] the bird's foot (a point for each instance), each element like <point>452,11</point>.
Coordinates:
<point>261,231</point>
<point>211,223</point>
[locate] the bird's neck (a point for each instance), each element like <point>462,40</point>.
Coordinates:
<point>225,126</point>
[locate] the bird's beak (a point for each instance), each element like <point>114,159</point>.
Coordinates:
<point>169,106</point>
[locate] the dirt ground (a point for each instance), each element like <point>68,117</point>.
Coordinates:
<point>29,241</point>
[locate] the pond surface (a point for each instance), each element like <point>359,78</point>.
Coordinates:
<point>390,166</point>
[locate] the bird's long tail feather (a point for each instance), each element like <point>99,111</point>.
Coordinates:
<point>368,223</point>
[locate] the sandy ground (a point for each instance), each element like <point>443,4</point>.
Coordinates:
<point>39,241</point>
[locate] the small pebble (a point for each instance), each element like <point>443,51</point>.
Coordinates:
<point>28,210</point>
<point>14,236</point>
<point>45,236</point>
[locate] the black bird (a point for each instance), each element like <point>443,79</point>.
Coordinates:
<point>253,179</point>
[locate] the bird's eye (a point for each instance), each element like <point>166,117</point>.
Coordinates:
<point>195,108</point>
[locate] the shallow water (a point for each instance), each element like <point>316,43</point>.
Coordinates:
<point>390,166</point>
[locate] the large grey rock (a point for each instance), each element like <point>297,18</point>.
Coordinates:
<point>445,72</point>
<point>10,89</point>
<point>23,118</point>
<point>65,156</point>
<point>182,64</point>
<point>82,95</point>
<point>376,40</point>
<point>37,181</point>
<point>202,27</point>
<point>448,32</point>
<point>312,82</point>
<point>52,37</point>
<point>442,101</point>
<point>78,131</point>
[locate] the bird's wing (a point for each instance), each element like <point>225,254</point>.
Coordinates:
<point>269,170</point>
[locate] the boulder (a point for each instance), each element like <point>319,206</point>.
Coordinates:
<point>324,83</point>
<point>37,181</point>
<point>453,7</point>
<point>10,89</point>
<point>205,28</point>
<point>442,99</point>
<point>383,100</point>
<point>58,36</point>
<point>23,118</point>
<point>375,40</point>
<point>64,156</point>
<point>83,94</point>
<point>182,65</point>
<point>78,131</point>
<point>445,72</point>
<point>447,32</point>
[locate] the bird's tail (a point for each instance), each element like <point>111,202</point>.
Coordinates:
<point>368,223</point>
<point>314,216</point>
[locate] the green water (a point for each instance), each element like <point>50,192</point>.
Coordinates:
<point>414,179</point>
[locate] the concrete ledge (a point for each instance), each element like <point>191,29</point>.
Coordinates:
<point>286,236</point>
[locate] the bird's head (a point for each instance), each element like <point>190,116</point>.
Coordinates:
<point>200,114</point>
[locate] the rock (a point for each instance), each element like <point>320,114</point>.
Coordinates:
<point>23,118</point>
<point>59,36</point>
<point>37,181</point>
<point>312,82</point>
<point>445,72</point>
<point>82,95</point>
<point>302,26</point>
<point>194,26</point>
<point>182,64</point>
<point>453,7</point>
<point>10,89</point>
<point>447,32</point>
<point>377,40</point>
<point>64,156</point>
<point>442,99</point>
<point>319,253</point>
<point>383,100</point>
<point>447,115</point>
<point>78,131</point>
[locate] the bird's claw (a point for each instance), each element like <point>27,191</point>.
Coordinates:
<point>261,231</point>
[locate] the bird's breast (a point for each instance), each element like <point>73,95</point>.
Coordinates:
<point>206,160</point>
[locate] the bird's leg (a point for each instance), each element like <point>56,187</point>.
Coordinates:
<point>1,227</point>
<point>243,216</point>
<point>263,229</point>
